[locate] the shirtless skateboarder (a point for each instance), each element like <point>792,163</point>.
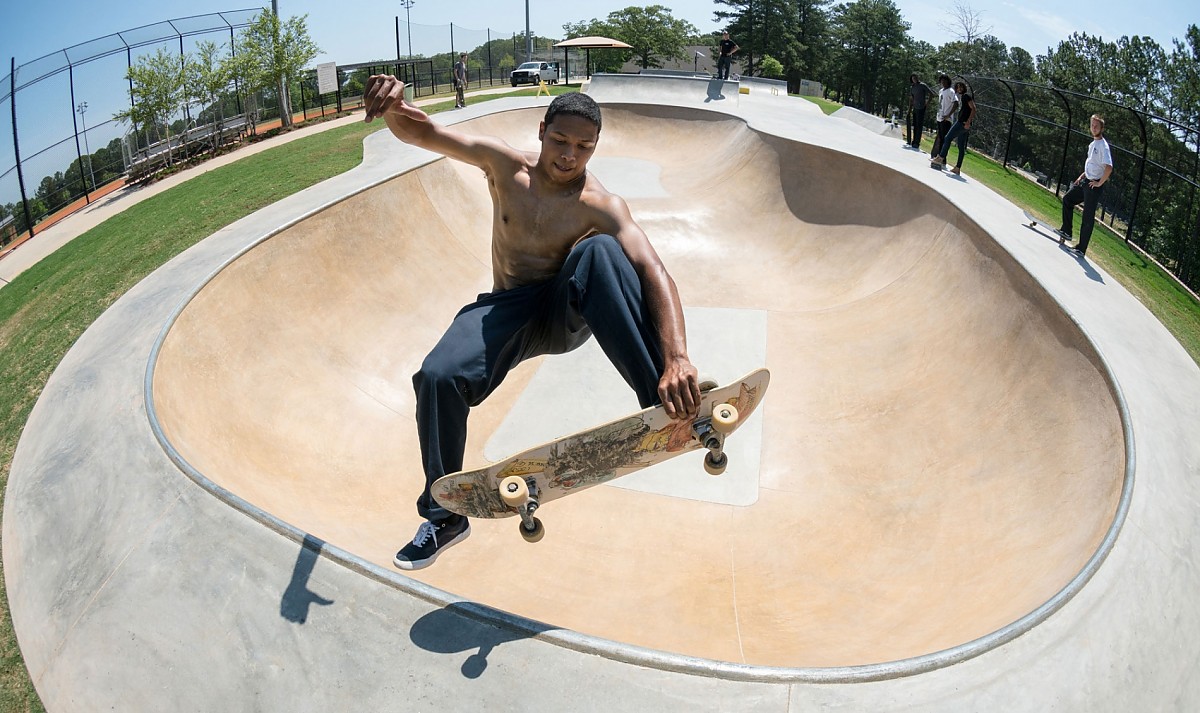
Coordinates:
<point>568,262</point>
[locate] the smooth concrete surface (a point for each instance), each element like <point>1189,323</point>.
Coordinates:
<point>962,503</point>
<point>910,343</point>
<point>870,122</point>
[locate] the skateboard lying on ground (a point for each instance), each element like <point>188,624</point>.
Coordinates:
<point>522,483</point>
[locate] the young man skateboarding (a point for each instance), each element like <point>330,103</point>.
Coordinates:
<point>568,262</point>
<point>1087,188</point>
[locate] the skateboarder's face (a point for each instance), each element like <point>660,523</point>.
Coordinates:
<point>568,143</point>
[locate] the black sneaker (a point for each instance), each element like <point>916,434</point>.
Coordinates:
<point>1063,236</point>
<point>431,539</point>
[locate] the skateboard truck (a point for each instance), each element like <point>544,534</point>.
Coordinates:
<point>522,495</point>
<point>711,431</point>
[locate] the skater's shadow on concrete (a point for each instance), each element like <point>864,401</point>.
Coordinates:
<point>714,90</point>
<point>298,598</point>
<point>466,626</point>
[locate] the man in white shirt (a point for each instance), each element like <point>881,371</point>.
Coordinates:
<point>1087,188</point>
<point>947,108</point>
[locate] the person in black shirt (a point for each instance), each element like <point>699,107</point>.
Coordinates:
<point>919,93</point>
<point>728,49</point>
<point>961,128</point>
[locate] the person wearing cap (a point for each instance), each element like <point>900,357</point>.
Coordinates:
<point>460,81</point>
<point>728,49</point>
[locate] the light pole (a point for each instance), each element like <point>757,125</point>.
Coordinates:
<point>407,5</point>
<point>82,109</point>
<point>528,37</point>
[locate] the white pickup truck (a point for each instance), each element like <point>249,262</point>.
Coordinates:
<point>532,72</point>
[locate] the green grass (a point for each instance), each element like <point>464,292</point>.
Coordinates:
<point>45,309</point>
<point>1178,311</point>
<point>826,106</point>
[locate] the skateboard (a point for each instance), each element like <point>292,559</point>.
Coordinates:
<point>522,483</point>
<point>1033,223</point>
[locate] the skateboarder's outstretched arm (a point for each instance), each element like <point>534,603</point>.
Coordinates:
<point>384,97</point>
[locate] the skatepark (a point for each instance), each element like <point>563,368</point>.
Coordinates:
<point>964,489</point>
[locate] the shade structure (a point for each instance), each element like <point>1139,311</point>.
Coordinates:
<point>587,44</point>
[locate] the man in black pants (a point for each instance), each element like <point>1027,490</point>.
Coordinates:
<point>919,93</point>
<point>568,262</point>
<point>728,49</point>
<point>947,108</point>
<point>1088,187</point>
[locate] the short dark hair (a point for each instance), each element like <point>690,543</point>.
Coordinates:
<point>576,103</point>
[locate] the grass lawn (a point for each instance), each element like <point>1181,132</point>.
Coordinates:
<point>1154,287</point>
<point>826,106</point>
<point>48,307</point>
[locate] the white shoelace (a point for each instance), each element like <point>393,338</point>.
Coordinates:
<point>424,532</point>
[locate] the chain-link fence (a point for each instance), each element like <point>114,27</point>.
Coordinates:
<point>1151,198</point>
<point>66,148</point>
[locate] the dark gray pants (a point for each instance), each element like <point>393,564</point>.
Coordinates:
<point>596,291</point>
<point>1090,197</point>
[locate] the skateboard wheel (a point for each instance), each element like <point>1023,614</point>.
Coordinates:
<point>724,417</point>
<point>713,465</point>
<point>514,491</point>
<point>534,535</point>
<point>707,383</point>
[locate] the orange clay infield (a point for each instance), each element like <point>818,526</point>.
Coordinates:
<point>940,452</point>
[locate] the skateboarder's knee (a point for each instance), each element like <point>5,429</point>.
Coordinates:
<point>437,372</point>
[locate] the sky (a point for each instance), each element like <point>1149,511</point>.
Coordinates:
<point>350,31</point>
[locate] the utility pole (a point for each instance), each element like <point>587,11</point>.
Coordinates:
<point>528,37</point>
<point>407,5</point>
<point>82,109</point>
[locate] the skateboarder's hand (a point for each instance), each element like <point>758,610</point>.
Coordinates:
<point>384,94</point>
<point>679,390</point>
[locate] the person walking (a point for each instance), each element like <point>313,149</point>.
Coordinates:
<point>460,81</point>
<point>1088,188</point>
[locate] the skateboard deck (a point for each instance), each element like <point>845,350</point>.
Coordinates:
<point>1033,223</point>
<point>597,455</point>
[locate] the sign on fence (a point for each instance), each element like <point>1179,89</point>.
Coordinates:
<point>327,77</point>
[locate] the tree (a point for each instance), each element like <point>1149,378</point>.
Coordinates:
<point>207,78</point>
<point>1138,72</point>
<point>273,54</point>
<point>1182,75</point>
<point>795,32</point>
<point>157,89</point>
<point>652,33</point>
<point>771,67</point>
<point>1020,65</point>
<point>867,35</point>
<point>965,23</point>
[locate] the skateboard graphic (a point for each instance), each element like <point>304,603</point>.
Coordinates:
<point>522,483</point>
